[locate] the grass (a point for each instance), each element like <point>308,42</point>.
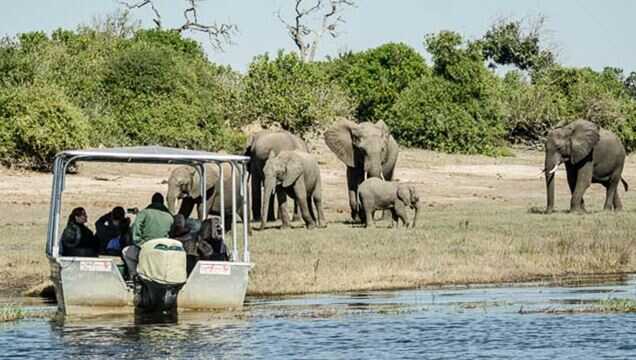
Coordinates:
<point>12,312</point>
<point>22,261</point>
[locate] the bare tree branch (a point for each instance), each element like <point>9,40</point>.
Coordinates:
<point>301,28</point>
<point>142,3</point>
<point>218,34</point>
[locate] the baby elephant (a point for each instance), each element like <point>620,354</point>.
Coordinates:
<point>377,194</point>
<point>297,174</point>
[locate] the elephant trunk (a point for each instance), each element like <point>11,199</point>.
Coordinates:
<point>373,166</point>
<point>551,164</point>
<point>173,191</point>
<point>270,185</point>
<point>417,210</point>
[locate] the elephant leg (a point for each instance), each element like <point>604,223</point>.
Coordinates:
<point>282,208</point>
<point>301,196</point>
<point>612,194</point>
<point>187,206</point>
<point>318,204</point>
<point>270,210</point>
<point>312,211</point>
<point>256,183</point>
<point>366,214</point>
<point>296,211</point>
<point>355,176</point>
<point>583,181</point>
<point>618,204</point>
<point>572,176</point>
<point>395,220</point>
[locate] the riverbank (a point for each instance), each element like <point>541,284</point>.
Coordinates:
<point>478,226</point>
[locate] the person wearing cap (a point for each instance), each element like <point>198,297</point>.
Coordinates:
<point>153,222</point>
<point>112,229</point>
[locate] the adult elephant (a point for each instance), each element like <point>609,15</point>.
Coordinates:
<point>184,183</point>
<point>296,173</point>
<point>258,148</point>
<point>367,149</point>
<point>591,155</point>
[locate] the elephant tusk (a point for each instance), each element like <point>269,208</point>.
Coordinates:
<point>554,169</point>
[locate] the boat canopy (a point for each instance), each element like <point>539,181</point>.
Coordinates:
<point>150,155</point>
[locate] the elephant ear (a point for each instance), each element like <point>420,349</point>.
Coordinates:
<point>293,170</point>
<point>339,140</point>
<point>380,124</point>
<point>404,194</point>
<point>585,135</point>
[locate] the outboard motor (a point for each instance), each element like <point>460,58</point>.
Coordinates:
<point>162,273</point>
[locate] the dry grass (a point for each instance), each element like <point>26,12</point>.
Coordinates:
<point>478,227</point>
<point>470,244</point>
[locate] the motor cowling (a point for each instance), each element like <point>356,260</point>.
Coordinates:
<point>162,273</point>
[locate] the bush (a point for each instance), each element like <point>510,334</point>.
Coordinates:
<point>288,92</point>
<point>375,78</point>
<point>531,109</point>
<point>456,108</point>
<point>37,122</point>
<point>600,97</point>
<point>426,115</point>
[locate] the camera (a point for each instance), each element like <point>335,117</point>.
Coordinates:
<point>133,211</point>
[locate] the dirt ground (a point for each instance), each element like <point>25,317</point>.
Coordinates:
<point>448,184</point>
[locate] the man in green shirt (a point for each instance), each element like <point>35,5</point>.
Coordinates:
<point>153,222</point>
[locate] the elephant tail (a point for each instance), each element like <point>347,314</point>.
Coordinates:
<point>625,184</point>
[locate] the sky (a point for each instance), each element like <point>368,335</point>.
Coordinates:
<point>590,33</point>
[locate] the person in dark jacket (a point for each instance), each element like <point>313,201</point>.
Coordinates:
<point>184,232</point>
<point>211,245</point>
<point>77,239</point>
<point>112,231</point>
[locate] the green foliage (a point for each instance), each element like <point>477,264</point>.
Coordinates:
<point>376,77</point>
<point>600,97</point>
<point>427,115</point>
<point>39,121</point>
<point>113,87</point>
<point>506,44</point>
<point>456,108</point>
<point>170,39</point>
<point>294,94</point>
<point>531,110</point>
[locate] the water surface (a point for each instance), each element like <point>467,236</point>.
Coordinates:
<point>461,323</point>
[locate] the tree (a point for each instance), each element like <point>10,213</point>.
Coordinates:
<point>507,43</point>
<point>306,36</point>
<point>218,34</point>
<point>375,78</point>
<point>630,84</point>
<point>293,94</point>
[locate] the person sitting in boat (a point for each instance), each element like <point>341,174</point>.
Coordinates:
<point>112,231</point>
<point>187,232</point>
<point>153,222</point>
<point>211,245</point>
<point>77,239</point>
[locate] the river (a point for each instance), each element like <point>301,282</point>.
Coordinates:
<point>529,321</point>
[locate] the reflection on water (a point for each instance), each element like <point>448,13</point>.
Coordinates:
<point>466,323</point>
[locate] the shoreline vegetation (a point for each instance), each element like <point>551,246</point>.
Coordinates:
<point>478,227</point>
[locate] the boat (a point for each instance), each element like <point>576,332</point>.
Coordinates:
<point>96,285</point>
